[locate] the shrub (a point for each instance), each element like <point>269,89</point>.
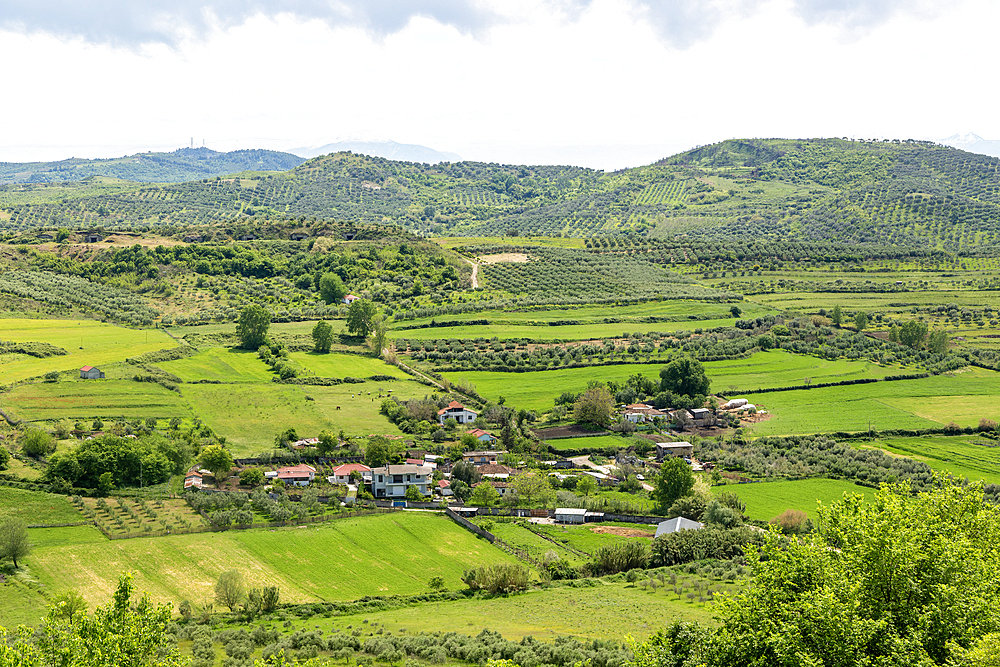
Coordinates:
<point>620,557</point>
<point>499,578</point>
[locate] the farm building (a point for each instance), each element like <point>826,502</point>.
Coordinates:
<point>248,237</point>
<point>350,298</point>
<point>495,471</point>
<point>298,236</point>
<point>570,515</point>
<point>458,412</point>
<point>92,238</point>
<point>91,373</point>
<point>673,525</point>
<point>667,449</point>
<point>391,481</point>
<point>298,475</point>
<point>700,415</point>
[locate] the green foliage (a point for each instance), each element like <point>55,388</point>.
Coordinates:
<point>532,490</point>
<point>217,459</point>
<point>413,494</point>
<point>148,459</point>
<point>322,335</point>
<point>331,288</point>
<point>684,546</point>
<point>685,376</point>
<point>14,542</point>
<point>484,495</point>
<point>36,442</point>
<point>4,458</point>
<point>594,406</point>
<point>860,321</point>
<point>675,480</point>
<point>502,578</point>
<point>252,327</point>
<point>620,557</point>
<point>913,333</point>
<point>361,317</point>
<point>230,589</point>
<point>251,477</point>
<point>379,451</point>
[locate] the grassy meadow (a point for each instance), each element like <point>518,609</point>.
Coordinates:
<point>36,508</point>
<point>88,399</point>
<point>908,404</point>
<point>971,456</point>
<point>340,365</point>
<point>346,559</point>
<point>87,343</point>
<point>221,364</point>
<point>766,500</point>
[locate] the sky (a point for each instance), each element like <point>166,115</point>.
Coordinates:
<point>598,83</point>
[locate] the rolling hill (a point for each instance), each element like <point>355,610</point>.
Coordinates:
<point>908,194</point>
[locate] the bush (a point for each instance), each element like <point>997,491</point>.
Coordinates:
<point>620,557</point>
<point>500,578</point>
<point>793,522</point>
<point>685,546</point>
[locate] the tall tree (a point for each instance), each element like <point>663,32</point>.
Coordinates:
<point>14,542</point>
<point>322,335</point>
<point>837,316</point>
<point>684,375</point>
<point>378,339</point>
<point>252,326</point>
<point>361,317</point>
<point>860,321</point>
<point>217,459</point>
<point>378,452</point>
<point>532,489</point>
<point>230,589</point>
<point>594,407</point>
<point>674,481</point>
<point>913,333</point>
<point>484,495</point>
<point>331,288</point>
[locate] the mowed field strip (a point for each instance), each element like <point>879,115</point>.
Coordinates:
<point>87,343</point>
<point>346,559</point>
<point>971,456</point>
<point>87,399</point>
<point>766,500</point>
<point>931,402</point>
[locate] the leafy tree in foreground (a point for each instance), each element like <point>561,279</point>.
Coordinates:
<point>14,540</point>
<point>361,318</point>
<point>913,333</point>
<point>252,326</point>
<point>378,452</point>
<point>684,375</point>
<point>322,335</point>
<point>674,481</point>
<point>331,288</point>
<point>532,490</point>
<point>901,580</point>
<point>484,495</point>
<point>36,442</point>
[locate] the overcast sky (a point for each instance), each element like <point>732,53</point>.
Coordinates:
<point>601,83</point>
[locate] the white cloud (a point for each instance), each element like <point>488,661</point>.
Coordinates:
<point>594,82</point>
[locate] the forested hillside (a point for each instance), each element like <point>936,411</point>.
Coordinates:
<point>907,194</point>
<point>183,164</point>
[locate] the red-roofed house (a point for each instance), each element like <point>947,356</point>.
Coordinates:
<point>482,436</point>
<point>342,474</point>
<point>91,373</point>
<point>299,475</point>
<point>444,487</point>
<point>458,412</point>
<point>350,298</point>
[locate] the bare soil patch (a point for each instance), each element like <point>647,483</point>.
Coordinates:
<point>512,257</point>
<point>620,531</point>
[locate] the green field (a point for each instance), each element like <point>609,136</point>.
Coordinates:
<point>780,368</point>
<point>766,500</point>
<point>605,611</point>
<point>87,399</point>
<point>810,302</point>
<point>970,456</point>
<point>345,365</point>
<point>521,538</point>
<point>250,415</point>
<point>220,363</point>
<point>925,403</point>
<point>589,539</point>
<point>87,343</point>
<point>36,507</point>
<point>342,560</point>
<point>568,332</point>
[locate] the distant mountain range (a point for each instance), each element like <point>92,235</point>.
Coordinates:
<point>184,164</point>
<point>388,149</point>
<point>973,143</point>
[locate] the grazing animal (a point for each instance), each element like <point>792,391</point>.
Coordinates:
<point>338,407</point>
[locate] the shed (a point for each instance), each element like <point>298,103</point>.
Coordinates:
<point>570,515</point>
<point>667,449</point>
<point>298,236</point>
<point>93,238</point>
<point>674,525</point>
<point>91,373</point>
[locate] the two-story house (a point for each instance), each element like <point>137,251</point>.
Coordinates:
<point>391,481</point>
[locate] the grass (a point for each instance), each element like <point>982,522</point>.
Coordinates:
<point>592,442</point>
<point>36,508</point>
<point>521,538</point>
<point>174,514</point>
<point>970,456</point>
<point>87,399</point>
<point>87,342</point>
<point>222,364</point>
<point>587,538</point>
<point>766,500</point>
<point>925,403</point>
<point>604,611</point>
<point>568,332</point>
<point>345,365</point>
<point>250,415</point>
<point>393,554</point>
<point>779,368</point>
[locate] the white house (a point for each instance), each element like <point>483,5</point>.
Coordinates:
<point>459,412</point>
<point>91,373</point>
<point>342,474</point>
<point>298,475</point>
<point>391,481</point>
<point>350,298</point>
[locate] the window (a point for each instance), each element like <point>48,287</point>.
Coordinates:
<point>397,479</point>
